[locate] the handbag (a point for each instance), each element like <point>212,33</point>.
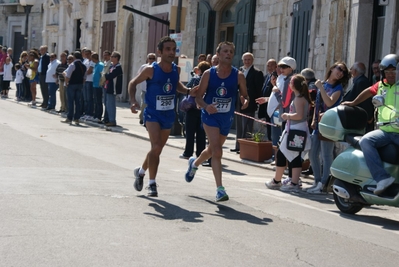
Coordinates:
<point>187,103</point>
<point>296,140</point>
<point>29,73</point>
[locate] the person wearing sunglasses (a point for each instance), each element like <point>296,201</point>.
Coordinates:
<point>329,95</point>
<point>386,134</point>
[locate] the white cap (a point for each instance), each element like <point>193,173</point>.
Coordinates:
<point>289,61</point>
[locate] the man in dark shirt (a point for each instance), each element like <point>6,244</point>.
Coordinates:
<point>254,78</point>
<point>360,82</point>
<point>271,66</point>
<point>42,69</point>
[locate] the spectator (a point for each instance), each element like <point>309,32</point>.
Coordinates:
<point>3,56</point>
<point>88,96</point>
<point>19,79</point>
<point>7,78</point>
<point>329,95</point>
<point>74,79</point>
<point>51,80</point>
<point>107,64</point>
<point>61,82</point>
<point>33,74</point>
<point>97,89</point>
<point>309,75</point>
<point>376,71</point>
<point>194,129</point>
<point>254,80</point>
<point>215,60</point>
<point>271,66</point>
<point>112,87</point>
<point>42,69</point>
<point>360,83</point>
<point>10,54</point>
<point>284,94</point>
<point>151,57</point>
<point>297,119</point>
<point>201,57</point>
<point>23,60</point>
<point>209,59</point>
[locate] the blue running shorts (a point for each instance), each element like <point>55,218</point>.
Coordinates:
<point>223,122</point>
<point>164,118</point>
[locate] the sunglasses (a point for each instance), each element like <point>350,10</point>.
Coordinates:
<point>70,59</point>
<point>284,66</point>
<point>339,68</point>
<point>151,58</point>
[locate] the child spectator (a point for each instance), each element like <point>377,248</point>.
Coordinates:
<point>7,78</point>
<point>19,78</point>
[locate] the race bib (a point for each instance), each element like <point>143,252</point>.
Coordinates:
<point>223,105</point>
<point>165,102</point>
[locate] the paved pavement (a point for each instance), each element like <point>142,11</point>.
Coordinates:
<point>128,123</point>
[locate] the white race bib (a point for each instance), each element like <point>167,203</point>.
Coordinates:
<point>223,105</point>
<point>165,102</point>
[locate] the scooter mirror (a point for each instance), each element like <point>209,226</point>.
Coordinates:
<point>378,101</point>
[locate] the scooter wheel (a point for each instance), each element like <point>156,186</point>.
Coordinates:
<point>345,206</point>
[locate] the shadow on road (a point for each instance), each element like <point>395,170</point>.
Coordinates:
<point>168,211</point>
<point>372,219</point>
<point>232,214</point>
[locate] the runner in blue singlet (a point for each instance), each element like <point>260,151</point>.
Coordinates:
<point>220,83</point>
<point>162,83</point>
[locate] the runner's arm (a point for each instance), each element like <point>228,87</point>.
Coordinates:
<point>146,74</point>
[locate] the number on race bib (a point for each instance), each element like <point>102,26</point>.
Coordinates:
<point>165,102</point>
<point>223,105</point>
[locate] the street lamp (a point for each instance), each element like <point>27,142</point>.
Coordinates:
<point>27,4</point>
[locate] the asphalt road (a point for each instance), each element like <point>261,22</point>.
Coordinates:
<point>66,199</point>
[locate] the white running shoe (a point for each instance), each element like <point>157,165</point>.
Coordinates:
<point>273,185</point>
<point>318,189</point>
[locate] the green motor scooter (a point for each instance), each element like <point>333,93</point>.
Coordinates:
<point>353,184</point>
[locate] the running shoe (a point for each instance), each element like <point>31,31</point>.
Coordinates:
<point>138,182</point>
<point>221,194</point>
<point>152,190</point>
<point>191,170</point>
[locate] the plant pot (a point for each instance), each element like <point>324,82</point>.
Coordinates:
<point>255,151</point>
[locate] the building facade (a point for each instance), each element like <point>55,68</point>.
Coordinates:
<point>315,32</point>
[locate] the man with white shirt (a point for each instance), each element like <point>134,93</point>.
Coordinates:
<point>254,79</point>
<point>88,94</point>
<point>51,80</point>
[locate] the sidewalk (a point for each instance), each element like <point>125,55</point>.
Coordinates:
<point>128,123</point>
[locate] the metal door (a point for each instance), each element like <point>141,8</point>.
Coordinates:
<point>205,30</point>
<point>108,36</point>
<point>300,32</point>
<point>243,29</point>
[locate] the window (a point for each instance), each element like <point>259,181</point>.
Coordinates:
<point>160,2</point>
<point>228,13</point>
<point>110,6</point>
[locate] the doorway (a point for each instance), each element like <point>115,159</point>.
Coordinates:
<point>78,34</point>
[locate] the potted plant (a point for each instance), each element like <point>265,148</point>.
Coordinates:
<point>255,148</point>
